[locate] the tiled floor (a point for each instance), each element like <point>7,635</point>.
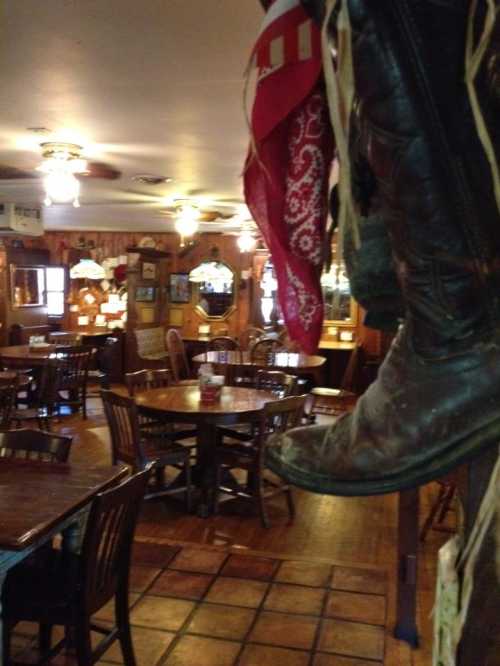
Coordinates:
<point>194,606</point>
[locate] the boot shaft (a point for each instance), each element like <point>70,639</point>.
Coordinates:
<point>434,185</point>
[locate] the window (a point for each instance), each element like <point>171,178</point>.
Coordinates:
<point>56,279</point>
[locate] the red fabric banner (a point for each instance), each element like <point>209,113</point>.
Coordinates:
<point>286,180</point>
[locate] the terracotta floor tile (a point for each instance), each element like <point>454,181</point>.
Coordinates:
<point>142,577</point>
<point>181,584</point>
<point>304,573</point>
<point>359,580</point>
<point>221,621</point>
<point>265,655</point>
<point>198,651</point>
<point>369,608</point>
<point>199,561</point>
<point>153,554</point>
<point>161,613</point>
<point>295,599</point>
<point>335,660</point>
<point>237,592</point>
<point>149,646</point>
<point>352,639</point>
<point>247,566</point>
<point>286,630</point>
<point>107,612</point>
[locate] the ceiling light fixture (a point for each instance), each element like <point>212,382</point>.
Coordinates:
<point>246,241</point>
<point>187,221</point>
<point>60,164</point>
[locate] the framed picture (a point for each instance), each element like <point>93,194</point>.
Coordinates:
<point>145,294</point>
<point>179,288</point>
<point>148,271</point>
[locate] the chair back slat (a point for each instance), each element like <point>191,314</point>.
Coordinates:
<point>32,444</point>
<point>123,421</point>
<point>250,336</point>
<point>107,543</point>
<point>177,355</point>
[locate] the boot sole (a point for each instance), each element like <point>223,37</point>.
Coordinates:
<point>464,451</point>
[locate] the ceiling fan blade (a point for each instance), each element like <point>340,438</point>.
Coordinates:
<point>100,170</point>
<point>13,173</point>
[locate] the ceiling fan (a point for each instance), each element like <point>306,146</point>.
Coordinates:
<point>62,168</point>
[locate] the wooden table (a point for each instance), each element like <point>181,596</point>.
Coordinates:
<point>182,404</point>
<point>21,355</point>
<point>39,500</point>
<point>292,363</point>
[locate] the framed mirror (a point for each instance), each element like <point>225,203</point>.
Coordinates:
<point>27,284</point>
<point>215,296</point>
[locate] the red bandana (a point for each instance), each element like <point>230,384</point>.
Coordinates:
<point>286,183</point>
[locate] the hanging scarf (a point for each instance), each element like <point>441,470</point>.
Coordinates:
<point>288,165</point>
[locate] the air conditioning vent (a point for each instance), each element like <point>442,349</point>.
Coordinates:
<point>21,220</point>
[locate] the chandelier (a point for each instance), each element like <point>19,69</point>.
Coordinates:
<point>60,164</point>
<point>246,241</point>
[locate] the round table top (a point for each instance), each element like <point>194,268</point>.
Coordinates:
<point>284,360</point>
<point>185,400</point>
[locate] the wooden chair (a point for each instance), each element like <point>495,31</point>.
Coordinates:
<point>129,446</point>
<point>73,372</point>
<point>154,426</point>
<point>44,407</point>
<point>249,336</point>
<point>105,359</point>
<point>178,358</point>
<point>8,393</point>
<point>276,381</point>
<point>261,349</point>
<point>336,401</point>
<point>34,445</point>
<point>223,343</point>
<point>70,588</point>
<point>441,506</point>
<point>277,417</point>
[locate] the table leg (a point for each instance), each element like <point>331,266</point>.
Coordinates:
<point>206,447</point>
<point>406,627</point>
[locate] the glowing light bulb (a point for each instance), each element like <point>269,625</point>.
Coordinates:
<point>246,241</point>
<point>61,186</point>
<point>187,221</point>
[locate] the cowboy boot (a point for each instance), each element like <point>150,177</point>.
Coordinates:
<point>436,401</point>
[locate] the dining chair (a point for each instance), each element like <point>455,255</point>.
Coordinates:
<point>276,417</point>
<point>8,393</point>
<point>337,401</point>
<point>223,343</point>
<point>105,359</point>
<point>155,426</point>
<point>260,350</point>
<point>249,337</point>
<point>34,445</point>
<point>441,506</point>
<point>276,381</point>
<point>178,358</point>
<point>70,587</point>
<point>73,364</point>
<point>44,403</point>
<point>130,446</point>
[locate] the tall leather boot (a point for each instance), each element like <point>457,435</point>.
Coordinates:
<point>436,402</point>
